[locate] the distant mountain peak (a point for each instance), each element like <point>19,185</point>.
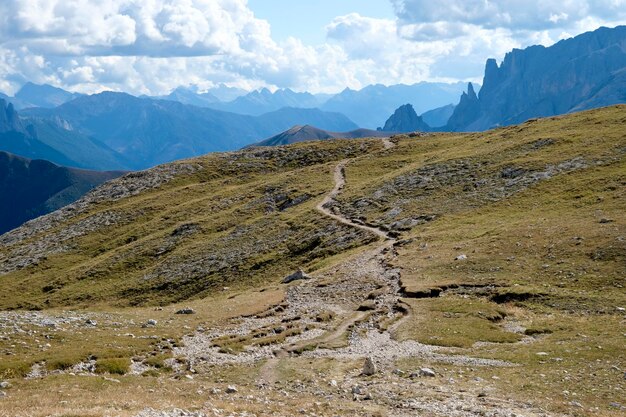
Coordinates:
<point>43,95</point>
<point>405,119</point>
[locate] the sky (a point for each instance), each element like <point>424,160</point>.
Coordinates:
<point>154,46</point>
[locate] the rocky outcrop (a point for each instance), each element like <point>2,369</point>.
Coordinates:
<point>9,120</point>
<point>581,73</point>
<point>405,120</point>
<point>466,112</point>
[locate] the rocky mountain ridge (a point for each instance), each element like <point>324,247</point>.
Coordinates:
<point>575,74</point>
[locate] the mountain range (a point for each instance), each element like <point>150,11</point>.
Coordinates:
<point>39,95</point>
<point>146,132</point>
<point>371,106</point>
<point>55,140</point>
<point>366,107</point>
<point>580,73</point>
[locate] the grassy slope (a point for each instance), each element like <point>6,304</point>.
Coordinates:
<point>549,260</point>
<point>536,244</point>
<point>228,224</point>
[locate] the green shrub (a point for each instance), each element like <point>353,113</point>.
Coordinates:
<point>118,366</point>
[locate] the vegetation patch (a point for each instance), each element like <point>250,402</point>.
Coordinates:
<point>116,366</point>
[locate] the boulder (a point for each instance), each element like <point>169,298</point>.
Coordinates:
<point>296,276</point>
<point>369,367</point>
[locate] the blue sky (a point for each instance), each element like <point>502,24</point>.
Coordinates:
<point>307,19</point>
<point>154,46</point>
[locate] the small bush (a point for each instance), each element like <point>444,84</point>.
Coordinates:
<point>10,370</point>
<point>60,364</point>
<point>157,361</point>
<point>325,316</point>
<point>118,366</point>
<point>532,331</point>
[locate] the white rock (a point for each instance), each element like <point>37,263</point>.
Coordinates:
<point>369,367</point>
<point>231,389</point>
<point>427,372</point>
<point>461,257</point>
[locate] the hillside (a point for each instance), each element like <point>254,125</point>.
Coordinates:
<point>147,132</point>
<point>478,274</point>
<point>584,72</point>
<point>308,133</point>
<point>31,188</point>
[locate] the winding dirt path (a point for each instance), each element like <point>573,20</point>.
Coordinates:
<point>340,183</point>
<point>268,373</point>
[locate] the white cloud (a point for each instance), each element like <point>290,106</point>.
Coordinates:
<point>510,14</point>
<point>153,46</point>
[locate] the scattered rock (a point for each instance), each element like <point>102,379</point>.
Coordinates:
<point>186,311</point>
<point>296,276</point>
<point>367,306</point>
<point>369,367</point>
<point>333,383</point>
<point>149,323</point>
<point>427,372</point>
<point>5,385</point>
<point>605,221</point>
<point>461,258</point>
<point>90,322</point>
<point>231,389</point>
